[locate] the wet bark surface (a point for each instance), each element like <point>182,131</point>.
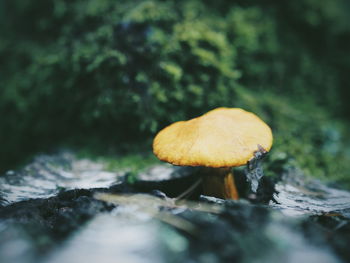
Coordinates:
<point>62,209</point>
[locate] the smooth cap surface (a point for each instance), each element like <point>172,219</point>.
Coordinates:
<point>223,137</point>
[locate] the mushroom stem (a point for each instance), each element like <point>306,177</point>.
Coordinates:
<point>219,182</point>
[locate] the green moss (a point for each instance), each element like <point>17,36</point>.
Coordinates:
<point>109,74</point>
<point>131,162</point>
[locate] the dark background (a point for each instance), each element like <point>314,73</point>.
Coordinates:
<point>106,75</point>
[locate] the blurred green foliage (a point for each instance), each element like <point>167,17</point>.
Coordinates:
<point>106,73</point>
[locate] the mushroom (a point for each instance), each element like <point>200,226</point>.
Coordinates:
<point>218,140</point>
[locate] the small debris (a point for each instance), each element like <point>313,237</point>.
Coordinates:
<point>254,170</point>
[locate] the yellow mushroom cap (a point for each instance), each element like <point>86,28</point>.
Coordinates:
<point>223,137</point>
